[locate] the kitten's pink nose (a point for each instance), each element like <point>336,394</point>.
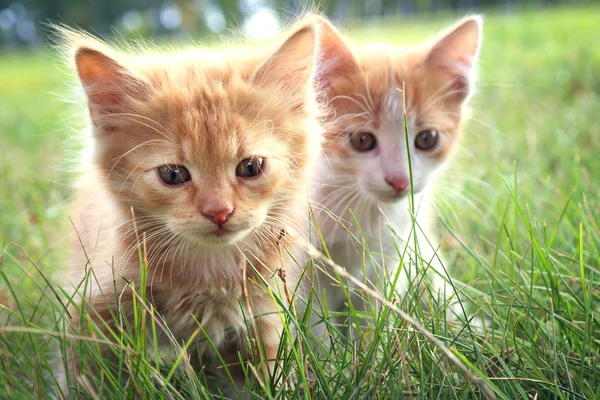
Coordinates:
<point>399,184</point>
<point>218,216</point>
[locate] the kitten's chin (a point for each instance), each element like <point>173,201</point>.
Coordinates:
<point>387,197</point>
<point>221,237</point>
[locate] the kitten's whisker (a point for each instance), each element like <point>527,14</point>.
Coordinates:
<point>370,106</point>
<point>435,94</point>
<point>334,193</point>
<point>350,99</point>
<point>493,129</point>
<point>134,246</point>
<point>434,101</point>
<point>166,250</point>
<point>362,115</point>
<point>168,139</point>
<point>321,206</point>
<point>133,170</point>
<point>146,118</point>
<point>343,200</point>
<point>370,102</point>
<point>163,254</point>
<point>366,125</point>
<point>258,114</point>
<point>156,247</point>
<point>464,199</point>
<point>328,185</point>
<point>129,151</point>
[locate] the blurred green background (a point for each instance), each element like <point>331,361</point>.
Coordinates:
<point>20,20</point>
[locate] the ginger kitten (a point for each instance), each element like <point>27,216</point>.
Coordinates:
<point>365,168</point>
<point>208,153</point>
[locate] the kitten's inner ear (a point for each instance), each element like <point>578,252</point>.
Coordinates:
<point>106,82</point>
<point>335,57</point>
<point>290,67</point>
<point>456,53</point>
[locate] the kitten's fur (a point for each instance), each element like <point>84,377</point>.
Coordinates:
<point>363,89</point>
<point>205,111</point>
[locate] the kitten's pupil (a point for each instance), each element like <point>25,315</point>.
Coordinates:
<point>250,167</point>
<point>174,175</point>
<point>426,140</point>
<point>363,141</point>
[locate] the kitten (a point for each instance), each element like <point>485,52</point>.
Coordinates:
<point>365,168</point>
<point>202,157</point>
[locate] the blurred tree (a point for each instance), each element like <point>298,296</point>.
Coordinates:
<point>19,19</point>
<point>232,12</point>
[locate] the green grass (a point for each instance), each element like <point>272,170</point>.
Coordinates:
<point>520,209</point>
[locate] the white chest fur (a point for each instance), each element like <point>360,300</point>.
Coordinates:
<point>369,239</point>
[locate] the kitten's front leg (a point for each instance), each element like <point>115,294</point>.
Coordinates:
<point>265,336</point>
<point>93,317</point>
<point>268,335</point>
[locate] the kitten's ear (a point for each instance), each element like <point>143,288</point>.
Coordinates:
<point>291,66</point>
<point>106,82</point>
<point>335,57</point>
<point>456,54</point>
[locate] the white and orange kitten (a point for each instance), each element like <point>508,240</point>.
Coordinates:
<point>208,153</point>
<point>365,169</point>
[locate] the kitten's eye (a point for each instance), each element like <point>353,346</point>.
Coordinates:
<point>426,140</point>
<point>250,167</point>
<point>363,141</point>
<point>174,175</point>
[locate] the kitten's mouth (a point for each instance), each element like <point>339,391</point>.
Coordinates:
<point>391,197</point>
<point>219,236</point>
<point>222,231</point>
<point>399,196</point>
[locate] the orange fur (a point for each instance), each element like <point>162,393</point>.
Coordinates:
<point>205,111</point>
